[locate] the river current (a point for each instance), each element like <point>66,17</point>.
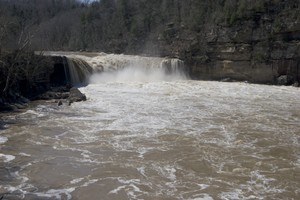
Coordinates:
<point>156,139</point>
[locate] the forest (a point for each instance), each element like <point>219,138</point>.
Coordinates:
<point>198,32</point>
<point>130,26</point>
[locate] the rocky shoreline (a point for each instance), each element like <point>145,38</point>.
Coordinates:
<point>61,95</point>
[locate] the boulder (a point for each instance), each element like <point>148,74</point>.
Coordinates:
<point>296,84</point>
<point>7,107</point>
<point>61,92</point>
<point>285,80</point>
<point>60,103</point>
<point>53,95</point>
<point>76,96</point>
<point>22,100</point>
<point>227,80</point>
<point>20,106</point>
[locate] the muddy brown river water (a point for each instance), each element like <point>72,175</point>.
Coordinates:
<point>156,140</point>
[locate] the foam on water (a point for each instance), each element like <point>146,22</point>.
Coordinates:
<point>202,197</point>
<point>7,158</point>
<point>24,154</point>
<point>57,194</point>
<point>131,187</point>
<point>31,114</point>
<point>3,139</point>
<point>77,180</point>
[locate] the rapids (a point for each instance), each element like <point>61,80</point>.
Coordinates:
<point>153,134</point>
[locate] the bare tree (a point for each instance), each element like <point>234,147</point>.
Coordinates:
<point>12,67</point>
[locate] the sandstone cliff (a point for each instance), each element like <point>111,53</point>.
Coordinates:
<point>257,44</point>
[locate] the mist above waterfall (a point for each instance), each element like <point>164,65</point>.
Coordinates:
<point>136,74</point>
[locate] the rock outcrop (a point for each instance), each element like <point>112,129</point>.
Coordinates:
<point>285,80</point>
<point>243,40</point>
<point>257,42</point>
<point>76,96</point>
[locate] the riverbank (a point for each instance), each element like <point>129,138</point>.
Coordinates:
<point>60,96</point>
<point>28,76</point>
<point>17,102</point>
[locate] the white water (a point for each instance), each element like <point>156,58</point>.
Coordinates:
<point>3,140</point>
<point>139,137</point>
<point>113,67</point>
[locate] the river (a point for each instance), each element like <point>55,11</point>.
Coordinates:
<point>156,138</point>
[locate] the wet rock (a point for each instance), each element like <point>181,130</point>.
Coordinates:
<point>23,100</point>
<point>285,80</point>
<point>60,89</point>
<point>18,103</point>
<point>54,95</point>
<point>20,106</point>
<point>296,84</point>
<point>226,80</point>
<point>61,92</point>
<point>60,103</point>
<point>7,107</point>
<point>48,96</point>
<point>76,96</point>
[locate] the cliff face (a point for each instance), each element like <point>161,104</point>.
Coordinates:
<point>258,45</point>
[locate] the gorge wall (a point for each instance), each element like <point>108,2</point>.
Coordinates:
<point>257,44</point>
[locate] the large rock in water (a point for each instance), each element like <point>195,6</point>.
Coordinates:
<point>285,80</point>
<point>76,96</point>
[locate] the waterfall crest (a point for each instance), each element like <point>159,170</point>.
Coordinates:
<point>99,67</point>
<point>79,71</point>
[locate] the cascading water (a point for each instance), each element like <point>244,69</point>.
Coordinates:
<point>146,132</point>
<point>112,67</point>
<point>79,70</point>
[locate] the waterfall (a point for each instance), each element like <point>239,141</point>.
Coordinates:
<point>114,62</point>
<point>79,71</point>
<point>173,66</point>
<point>119,67</point>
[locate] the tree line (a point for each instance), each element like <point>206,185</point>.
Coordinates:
<point>118,25</point>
